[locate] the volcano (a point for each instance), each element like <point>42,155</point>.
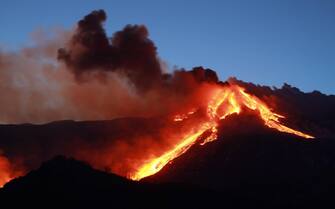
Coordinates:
<point>128,133</point>
<point>250,163</point>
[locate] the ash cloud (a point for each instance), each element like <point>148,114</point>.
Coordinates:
<point>129,52</point>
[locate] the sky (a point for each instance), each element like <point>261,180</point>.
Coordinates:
<point>267,42</point>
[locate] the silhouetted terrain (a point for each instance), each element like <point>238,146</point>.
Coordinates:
<point>67,183</point>
<point>253,167</point>
<point>256,168</point>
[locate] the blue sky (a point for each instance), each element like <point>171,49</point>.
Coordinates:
<point>263,41</point>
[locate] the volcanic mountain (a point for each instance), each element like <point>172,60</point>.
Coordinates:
<point>249,164</point>
<point>147,136</point>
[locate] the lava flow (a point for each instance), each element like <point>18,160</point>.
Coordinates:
<point>223,101</point>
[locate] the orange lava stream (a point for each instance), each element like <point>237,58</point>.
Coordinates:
<point>156,164</point>
<point>224,101</point>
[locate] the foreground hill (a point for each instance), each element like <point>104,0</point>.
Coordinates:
<point>68,183</point>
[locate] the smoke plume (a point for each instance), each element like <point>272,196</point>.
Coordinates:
<point>129,52</point>
<point>92,77</point>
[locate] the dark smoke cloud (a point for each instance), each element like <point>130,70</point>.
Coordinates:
<point>129,52</point>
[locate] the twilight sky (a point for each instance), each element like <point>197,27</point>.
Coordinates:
<point>263,41</point>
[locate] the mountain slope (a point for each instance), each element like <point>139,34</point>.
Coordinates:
<point>249,165</point>
<point>259,163</point>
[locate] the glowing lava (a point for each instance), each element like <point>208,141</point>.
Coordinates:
<point>5,172</point>
<point>224,101</point>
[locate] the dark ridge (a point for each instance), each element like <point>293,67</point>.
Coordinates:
<point>61,174</point>
<point>66,182</point>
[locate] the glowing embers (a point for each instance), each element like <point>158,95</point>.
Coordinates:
<point>224,101</point>
<point>181,117</point>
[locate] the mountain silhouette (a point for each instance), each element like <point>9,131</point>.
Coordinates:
<point>65,182</point>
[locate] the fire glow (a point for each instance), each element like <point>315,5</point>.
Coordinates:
<point>223,102</point>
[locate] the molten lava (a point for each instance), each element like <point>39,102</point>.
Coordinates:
<point>224,101</point>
